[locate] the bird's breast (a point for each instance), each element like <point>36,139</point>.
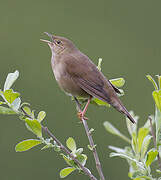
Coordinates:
<point>65,81</point>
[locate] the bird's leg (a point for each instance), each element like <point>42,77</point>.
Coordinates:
<point>82,113</point>
<point>77,104</point>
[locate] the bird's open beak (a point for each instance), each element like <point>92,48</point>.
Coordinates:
<point>50,35</point>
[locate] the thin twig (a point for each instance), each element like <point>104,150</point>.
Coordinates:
<point>154,141</point>
<point>91,142</point>
<point>63,148</point>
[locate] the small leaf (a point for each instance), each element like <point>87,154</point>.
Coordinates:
<point>11,78</point>
<point>4,110</point>
<point>71,144</point>
<point>1,102</point>
<point>99,102</point>
<point>25,104</point>
<point>69,161</point>
<point>159,81</point>
<point>57,148</point>
<point>41,115</point>
<point>27,144</point>
<point>139,175</point>
<point>16,104</point>
<point>116,149</point>
<point>141,135</point>
<point>91,131</point>
<point>151,155</point>
<point>145,145</point>
<point>82,158</point>
<point>122,155</point>
<point>66,171</point>
<point>110,128</point>
<point>89,147</point>
<point>153,82</point>
<point>134,143</point>
<point>27,110</point>
<point>35,126</point>
<point>158,171</point>
<point>157,99</point>
<point>79,151</point>
<point>118,82</point>
<point>49,145</point>
<point>158,126</point>
<point>10,95</point>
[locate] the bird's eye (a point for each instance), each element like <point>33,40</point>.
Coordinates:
<point>58,41</point>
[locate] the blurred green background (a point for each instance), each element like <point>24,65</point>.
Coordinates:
<point>126,34</point>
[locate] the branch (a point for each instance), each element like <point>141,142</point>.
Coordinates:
<point>91,142</point>
<point>154,141</point>
<point>63,148</point>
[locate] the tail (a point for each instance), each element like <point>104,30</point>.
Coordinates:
<point>129,116</point>
<point>121,108</point>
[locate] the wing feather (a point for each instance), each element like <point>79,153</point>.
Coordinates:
<point>86,75</point>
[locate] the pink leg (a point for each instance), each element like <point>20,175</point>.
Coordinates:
<point>82,113</point>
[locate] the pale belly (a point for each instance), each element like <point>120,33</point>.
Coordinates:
<point>66,83</point>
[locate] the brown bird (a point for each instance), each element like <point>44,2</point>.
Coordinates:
<point>77,75</point>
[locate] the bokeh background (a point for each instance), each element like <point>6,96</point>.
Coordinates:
<point>126,34</point>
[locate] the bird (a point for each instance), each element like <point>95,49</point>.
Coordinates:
<point>77,75</point>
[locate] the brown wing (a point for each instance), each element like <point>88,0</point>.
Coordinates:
<point>85,74</point>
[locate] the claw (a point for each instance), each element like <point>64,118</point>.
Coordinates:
<point>81,115</point>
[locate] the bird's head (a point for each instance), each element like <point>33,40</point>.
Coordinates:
<point>59,44</point>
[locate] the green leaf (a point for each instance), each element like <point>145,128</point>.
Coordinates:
<point>122,155</point>
<point>151,155</point>
<point>41,115</point>
<point>159,81</point>
<point>16,104</point>
<point>139,174</point>
<point>153,82</point>
<point>141,135</point>
<point>134,143</point>
<point>99,64</point>
<point>116,149</point>
<point>110,128</point>
<point>82,158</point>
<point>49,145</point>
<point>157,99</point>
<point>1,102</point>
<point>27,110</point>
<point>99,102</point>
<point>4,110</point>
<point>35,126</point>
<point>145,145</point>
<point>69,161</point>
<point>27,144</point>
<point>158,126</point>
<point>66,171</point>
<point>118,82</point>
<point>71,144</point>
<point>11,78</point>
<point>158,171</point>
<point>10,95</point>
<point>79,151</point>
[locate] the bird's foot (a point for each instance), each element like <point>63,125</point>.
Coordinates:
<point>81,116</point>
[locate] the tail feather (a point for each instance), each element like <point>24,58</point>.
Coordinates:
<point>130,117</point>
<point>121,108</point>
